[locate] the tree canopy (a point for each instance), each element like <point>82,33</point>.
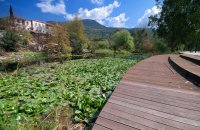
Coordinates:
<point>60,38</point>
<point>77,37</point>
<point>122,40</point>
<point>178,23</point>
<point>10,41</point>
<point>143,40</point>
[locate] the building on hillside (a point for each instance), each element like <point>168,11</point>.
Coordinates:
<point>34,26</point>
<point>40,27</point>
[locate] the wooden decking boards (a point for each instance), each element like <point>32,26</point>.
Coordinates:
<point>192,58</point>
<point>187,68</point>
<point>152,96</point>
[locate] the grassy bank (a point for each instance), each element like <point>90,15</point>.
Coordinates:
<point>22,57</point>
<point>55,95</point>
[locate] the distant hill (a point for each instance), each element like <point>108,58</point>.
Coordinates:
<point>88,24</point>
<point>92,24</point>
<point>95,30</point>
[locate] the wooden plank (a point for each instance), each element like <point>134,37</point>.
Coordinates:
<point>112,124</point>
<point>192,58</point>
<point>169,92</point>
<point>162,108</point>
<point>127,122</point>
<point>143,121</point>
<point>186,68</point>
<point>155,94</point>
<point>113,108</point>
<point>195,91</point>
<point>99,127</point>
<point>132,97</point>
<point>183,87</point>
<point>153,74</point>
<point>150,97</point>
<point>157,101</point>
<point>157,113</point>
<point>155,80</point>
<point>164,95</point>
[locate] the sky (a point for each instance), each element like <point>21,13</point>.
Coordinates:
<point>111,13</point>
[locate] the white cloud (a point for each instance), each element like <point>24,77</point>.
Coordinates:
<point>98,2</point>
<point>118,21</point>
<point>143,21</point>
<point>101,15</point>
<point>47,6</point>
<point>98,14</point>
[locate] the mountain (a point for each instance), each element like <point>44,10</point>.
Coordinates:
<point>92,24</point>
<point>95,30</point>
<point>88,24</point>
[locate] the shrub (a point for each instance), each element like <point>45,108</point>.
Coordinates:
<point>103,44</point>
<point>10,41</point>
<point>161,47</point>
<point>60,37</point>
<point>79,40</point>
<point>25,42</point>
<point>76,44</point>
<point>122,40</point>
<point>104,52</point>
<point>123,52</point>
<point>26,35</point>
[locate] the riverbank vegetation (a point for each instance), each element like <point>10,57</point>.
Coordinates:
<point>21,57</point>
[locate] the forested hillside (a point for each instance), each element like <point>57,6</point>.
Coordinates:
<point>95,30</point>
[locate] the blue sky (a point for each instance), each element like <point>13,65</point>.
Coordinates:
<point>113,13</point>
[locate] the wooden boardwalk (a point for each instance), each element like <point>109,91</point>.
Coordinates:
<point>152,96</point>
<point>194,59</point>
<point>186,68</point>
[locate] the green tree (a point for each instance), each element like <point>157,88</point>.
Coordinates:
<point>102,44</point>
<point>178,23</point>
<point>77,37</point>
<point>160,45</point>
<point>122,40</point>
<point>59,40</point>
<point>10,41</point>
<point>143,40</point>
<point>76,44</point>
